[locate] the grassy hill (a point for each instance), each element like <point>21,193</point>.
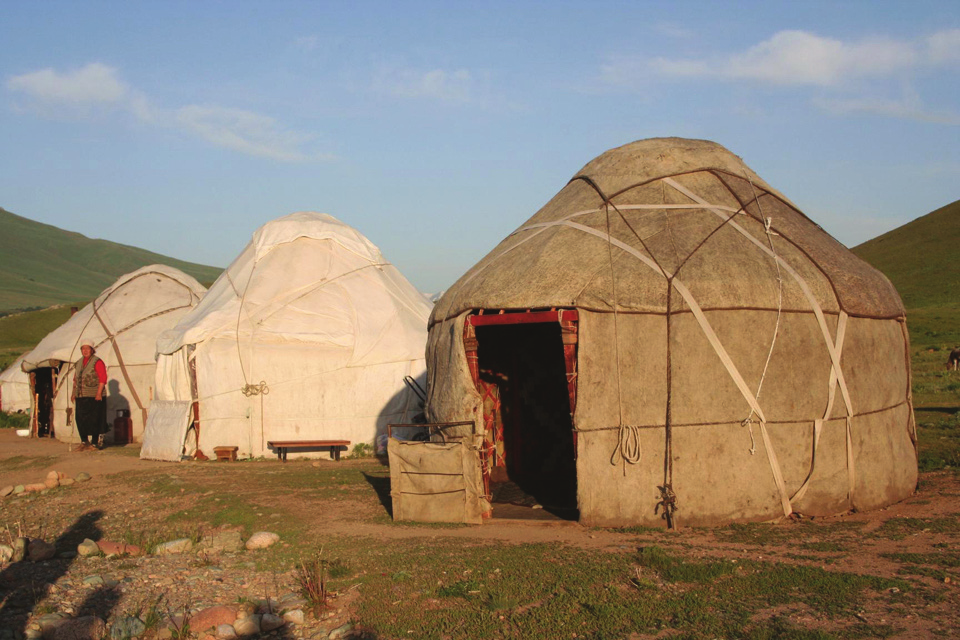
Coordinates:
<point>41,265</point>
<point>921,258</point>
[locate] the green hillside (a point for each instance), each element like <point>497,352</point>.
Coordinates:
<point>921,258</point>
<point>41,265</point>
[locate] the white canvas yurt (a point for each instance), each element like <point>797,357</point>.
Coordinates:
<point>123,323</point>
<point>308,335</point>
<point>669,339</point>
<point>15,389</point>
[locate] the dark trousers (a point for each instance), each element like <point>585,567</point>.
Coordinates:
<point>91,418</point>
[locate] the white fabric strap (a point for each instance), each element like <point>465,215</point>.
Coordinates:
<point>818,424</point>
<point>818,312</point>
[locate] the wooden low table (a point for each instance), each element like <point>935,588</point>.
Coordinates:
<point>282,446</point>
<point>226,454</point>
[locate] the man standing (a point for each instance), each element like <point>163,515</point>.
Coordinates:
<point>90,378</point>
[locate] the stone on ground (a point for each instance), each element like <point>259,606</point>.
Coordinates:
<point>35,487</point>
<point>183,545</point>
<point>66,482</point>
<point>212,617</point>
<point>262,540</point>
<point>226,631</point>
<point>7,490</point>
<point>6,552</point>
<point>38,550</point>
<point>19,549</point>
<point>248,626</point>
<point>340,632</point>
<point>83,476</point>
<point>88,548</point>
<point>294,616</point>
<point>127,627</point>
<point>269,622</point>
<point>118,548</point>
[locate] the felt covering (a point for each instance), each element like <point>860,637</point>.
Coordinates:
<point>702,281</point>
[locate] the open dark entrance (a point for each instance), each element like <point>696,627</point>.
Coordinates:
<point>43,381</point>
<point>527,379</point>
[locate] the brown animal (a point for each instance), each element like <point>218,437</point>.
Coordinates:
<point>953,362</point>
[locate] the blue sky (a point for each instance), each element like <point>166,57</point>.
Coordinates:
<point>438,128</point>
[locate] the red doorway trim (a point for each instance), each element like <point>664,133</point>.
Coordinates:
<point>522,317</point>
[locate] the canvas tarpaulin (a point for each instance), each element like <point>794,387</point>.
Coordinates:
<point>123,323</point>
<point>763,367</point>
<point>435,481</point>
<point>166,430</point>
<point>308,334</point>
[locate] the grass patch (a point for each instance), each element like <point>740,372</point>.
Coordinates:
<point>900,528</point>
<point>15,463</point>
<point>545,591</point>
<point>14,420</point>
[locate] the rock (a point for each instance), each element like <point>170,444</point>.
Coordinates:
<point>67,555</point>
<point>183,545</point>
<point>7,490</point>
<point>19,489</point>
<point>93,580</point>
<point>212,617</point>
<point>127,627</point>
<point>294,616</point>
<point>85,628</point>
<point>83,476</point>
<point>19,549</point>
<point>340,632</point>
<point>35,487</point>
<point>66,482</point>
<point>52,480</point>
<point>50,620</point>
<point>6,552</point>
<point>108,548</point>
<point>269,622</point>
<point>295,602</point>
<point>224,541</point>
<point>262,540</point>
<point>226,631</point>
<point>248,626</point>
<point>32,634</point>
<point>88,548</point>
<point>38,551</point>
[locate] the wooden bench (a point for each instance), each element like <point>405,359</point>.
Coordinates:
<point>226,454</point>
<point>282,446</point>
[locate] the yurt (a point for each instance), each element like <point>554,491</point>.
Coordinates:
<point>307,337</point>
<point>15,389</point>
<point>123,323</point>
<point>668,341</point>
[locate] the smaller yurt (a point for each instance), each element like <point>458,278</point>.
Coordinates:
<point>123,323</point>
<point>669,339</point>
<point>307,337</point>
<point>15,389</point>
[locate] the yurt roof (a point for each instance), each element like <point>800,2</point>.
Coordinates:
<point>670,208</point>
<point>287,290</point>
<point>124,308</point>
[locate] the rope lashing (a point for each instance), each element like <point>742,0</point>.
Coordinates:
<point>748,422</point>
<point>628,445</point>
<point>256,389</point>
<point>668,501</point>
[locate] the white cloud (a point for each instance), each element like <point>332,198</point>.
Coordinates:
<point>944,47</point>
<point>909,108</point>
<point>243,131</point>
<point>435,84</point>
<point>797,58</point>
<point>94,83</point>
<point>97,88</point>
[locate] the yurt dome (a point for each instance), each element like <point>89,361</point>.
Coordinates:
<point>670,339</point>
<point>15,388</point>
<point>123,323</point>
<point>307,336</point>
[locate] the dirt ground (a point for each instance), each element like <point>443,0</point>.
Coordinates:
<point>936,502</point>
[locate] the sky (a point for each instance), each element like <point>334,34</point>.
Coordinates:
<point>437,128</point>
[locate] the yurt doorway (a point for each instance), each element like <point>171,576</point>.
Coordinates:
<point>43,382</point>
<point>524,366</point>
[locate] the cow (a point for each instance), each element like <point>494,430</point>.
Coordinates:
<point>953,362</point>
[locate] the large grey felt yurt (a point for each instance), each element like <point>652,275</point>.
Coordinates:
<point>671,341</point>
